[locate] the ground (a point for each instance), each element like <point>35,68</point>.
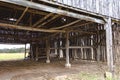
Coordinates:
<point>31,70</point>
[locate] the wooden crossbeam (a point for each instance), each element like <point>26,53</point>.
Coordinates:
<point>72,27</point>
<point>80,31</point>
<point>56,16</point>
<point>22,8</point>
<point>67,25</point>
<point>54,10</point>
<point>21,15</point>
<point>69,29</point>
<point>28,28</point>
<point>76,47</point>
<point>42,19</point>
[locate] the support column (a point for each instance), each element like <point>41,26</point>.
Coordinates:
<point>47,51</point>
<point>67,65</point>
<point>82,54</point>
<point>109,45</point>
<point>75,54</point>
<point>36,56</point>
<point>98,53</point>
<point>55,48</point>
<point>25,51</point>
<point>60,50</point>
<point>92,54</point>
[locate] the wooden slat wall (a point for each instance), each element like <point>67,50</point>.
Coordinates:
<point>96,6</point>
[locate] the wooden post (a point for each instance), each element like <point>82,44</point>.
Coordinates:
<point>92,53</point>
<point>60,50</point>
<point>98,53</point>
<point>75,54</point>
<point>47,51</point>
<point>67,65</point>
<point>82,53</point>
<point>56,48</point>
<point>36,56</point>
<point>109,45</point>
<point>25,51</point>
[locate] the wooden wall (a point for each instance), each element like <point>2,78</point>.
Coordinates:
<point>103,7</point>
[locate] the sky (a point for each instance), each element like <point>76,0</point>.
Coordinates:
<point>10,46</point>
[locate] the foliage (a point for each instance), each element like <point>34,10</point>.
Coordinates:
<point>14,50</point>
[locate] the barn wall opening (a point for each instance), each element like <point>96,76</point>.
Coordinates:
<point>10,52</point>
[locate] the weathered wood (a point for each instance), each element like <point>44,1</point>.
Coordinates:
<point>68,65</point>
<point>77,47</point>
<point>72,7</point>
<point>22,8</point>
<point>36,53</point>
<point>25,51</point>
<point>48,51</point>
<point>67,25</point>
<point>109,45</point>
<point>54,10</point>
<point>41,25</point>
<point>42,19</point>
<point>95,7</point>
<point>21,16</point>
<point>28,28</point>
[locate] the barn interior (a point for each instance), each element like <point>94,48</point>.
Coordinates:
<point>58,31</point>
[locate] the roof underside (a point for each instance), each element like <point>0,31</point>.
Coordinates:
<point>20,24</point>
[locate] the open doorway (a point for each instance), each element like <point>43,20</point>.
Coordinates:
<point>13,51</point>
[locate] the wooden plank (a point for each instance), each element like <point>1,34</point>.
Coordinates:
<point>28,28</point>
<point>77,47</point>
<point>42,19</point>
<point>92,6</point>
<point>21,16</point>
<point>109,45</point>
<point>36,53</point>
<point>25,51</point>
<point>67,25</point>
<point>41,25</point>
<point>48,51</point>
<point>68,65</point>
<point>22,8</point>
<point>53,10</point>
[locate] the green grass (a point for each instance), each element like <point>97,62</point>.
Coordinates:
<point>11,56</point>
<point>88,76</point>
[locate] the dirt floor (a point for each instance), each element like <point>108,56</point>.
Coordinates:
<point>29,70</point>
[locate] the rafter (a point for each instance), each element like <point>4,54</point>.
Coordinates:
<point>56,16</point>
<point>21,15</point>
<point>22,8</point>
<point>42,19</point>
<point>44,7</point>
<point>67,25</point>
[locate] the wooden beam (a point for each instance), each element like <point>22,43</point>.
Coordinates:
<point>53,10</point>
<point>56,16</point>
<point>72,8</point>
<point>22,8</point>
<point>77,47</point>
<point>21,15</point>
<point>109,45</point>
<point>67,25</point>
<point>72,27</point>
<point>25,51</point>
<point>42,19</point>
<point>28,28</point>
<point>48,50</point>
<point>68,65</point>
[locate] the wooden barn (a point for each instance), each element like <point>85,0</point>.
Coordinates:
<point>68,29</point>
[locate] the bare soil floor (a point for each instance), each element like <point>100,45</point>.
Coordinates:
<point>29,70</point>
